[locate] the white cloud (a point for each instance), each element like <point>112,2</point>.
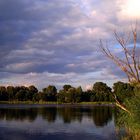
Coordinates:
<point>130,9</point>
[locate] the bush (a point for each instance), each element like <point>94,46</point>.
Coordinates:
<point>131,122</point>
<point>123,91</point>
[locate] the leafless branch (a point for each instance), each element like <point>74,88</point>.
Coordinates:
<point>130,65</point>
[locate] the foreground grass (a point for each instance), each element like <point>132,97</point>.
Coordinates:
<point>131,122</point>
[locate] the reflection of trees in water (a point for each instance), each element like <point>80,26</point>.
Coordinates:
<point>101,115</point>
<point>18,114</point>
<point>69,114</point>
<point>48,114</point>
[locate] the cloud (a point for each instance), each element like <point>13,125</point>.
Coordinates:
<point>130,9</point>
<point>46,42</point>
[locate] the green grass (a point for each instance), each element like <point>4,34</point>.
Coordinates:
<point>26,102</point>
<point>44,102</point>
<point>131,122</point>
<point>97,103</point>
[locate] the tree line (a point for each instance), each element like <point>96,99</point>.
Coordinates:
<point>100,92</point>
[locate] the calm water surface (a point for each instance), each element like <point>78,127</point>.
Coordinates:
<point>57,122</point>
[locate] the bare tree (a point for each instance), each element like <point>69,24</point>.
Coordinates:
<point>130,64</point>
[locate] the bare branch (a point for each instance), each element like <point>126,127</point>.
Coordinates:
<point>131,64</point>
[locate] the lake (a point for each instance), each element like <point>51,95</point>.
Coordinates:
<point>57,122</point>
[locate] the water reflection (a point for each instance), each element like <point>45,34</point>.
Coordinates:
<point>100,115</point>
<point>18,114</point>
<point>73,122</point>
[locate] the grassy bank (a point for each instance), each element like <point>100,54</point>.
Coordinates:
<point>53,103</point>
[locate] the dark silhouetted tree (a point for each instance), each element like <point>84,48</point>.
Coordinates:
<point>3,94</point>
<point>66,87</point>
<point>50,92</point>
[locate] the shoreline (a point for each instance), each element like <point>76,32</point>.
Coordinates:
<point>53,103</point>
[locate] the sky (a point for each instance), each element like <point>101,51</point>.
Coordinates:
<point>56,42</point>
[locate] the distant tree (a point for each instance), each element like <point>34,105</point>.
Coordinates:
<point>78,94</point>
<point>3,94</point>
<point>86,96</point>
<point>102,91</point>
<point>70,95</point>
<point>73,95</point>
<point>21,95</point>
<point>17,88</point>
<point>50,92</point>
<point>66,87</point>
<point>11,92</point>
<point>61,96</point>
<point>94,97</point>
<point>31,91</point>
<point>79,90</point>
<point>64,95</point>
<point>40,96</point>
